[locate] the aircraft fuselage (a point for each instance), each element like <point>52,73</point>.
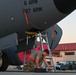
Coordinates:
<point>41,14</point>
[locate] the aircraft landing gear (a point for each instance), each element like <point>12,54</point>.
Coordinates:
<point>3,62</point>
<point>0,59</point>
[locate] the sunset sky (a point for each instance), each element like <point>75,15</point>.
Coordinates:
<point>68,26</point>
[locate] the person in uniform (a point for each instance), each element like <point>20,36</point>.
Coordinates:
<point>35,60</point>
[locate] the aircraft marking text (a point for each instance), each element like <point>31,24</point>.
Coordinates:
<point>34,9</point>
<point>30,2</point>
<point>37,9</point>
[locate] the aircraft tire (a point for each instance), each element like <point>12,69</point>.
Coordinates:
<point>4,65</point>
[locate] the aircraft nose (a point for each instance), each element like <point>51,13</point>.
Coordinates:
<point>65,6</point>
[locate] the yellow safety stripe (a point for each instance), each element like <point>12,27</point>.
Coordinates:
<point>29,32</point>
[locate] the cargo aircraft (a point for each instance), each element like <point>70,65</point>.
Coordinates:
<point>20,20</point>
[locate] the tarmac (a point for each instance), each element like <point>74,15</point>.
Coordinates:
<point>15,71</point>
<point>30,73</point>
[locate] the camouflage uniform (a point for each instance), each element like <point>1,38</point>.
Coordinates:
<point>30,65</point>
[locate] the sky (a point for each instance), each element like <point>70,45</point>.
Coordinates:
<point>68,26</point>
